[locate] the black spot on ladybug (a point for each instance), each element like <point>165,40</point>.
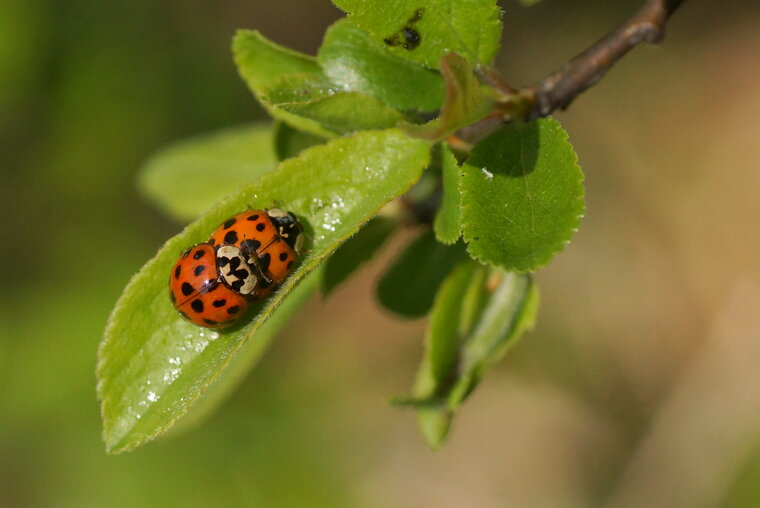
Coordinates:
<point>290,263</point>
<point>407,37</point>
<point>237,285</point>
<point>250,245</point>
<point>219,303</point>
<point>197,305</point>
<point>199,254</point>
<point>253,217</point>
<point>233,310</point>
<point>199,269</point>
<point>230,223</point>
<point>210,322</point>
<point>264,262</point>
<point>260,227</point>
<point>187,289</point>
<point>234,263</point>
<point>283,256</point>
<point>177,271</point>
<point>231,237</point>
<point>241,274</point>
<point>222,261</point>
<point>186,253</point>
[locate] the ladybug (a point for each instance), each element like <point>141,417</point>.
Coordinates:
<point>270,240</point>
<point>211,286</point>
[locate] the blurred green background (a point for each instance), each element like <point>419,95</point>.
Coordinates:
<point>639,386</point>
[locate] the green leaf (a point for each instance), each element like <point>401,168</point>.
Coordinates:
<point>153,365</point>
<point>424,30</point>
<point>459,350</point>
<point>292,87</point>
<point>261,62</point>
<point>289,142</point>
<point>522,195</point>
<point>355,62</point>
<point>187,178</point>
<point>311,103</point>
<point>409,286</point>
<point>448,223</point>
<point>355,252</point>
<point>466,102</point>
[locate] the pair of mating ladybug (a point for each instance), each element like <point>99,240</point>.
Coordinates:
<point>244,259</point>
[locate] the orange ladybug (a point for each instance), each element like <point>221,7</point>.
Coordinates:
<point>270,240</point>
<point>210,286</point>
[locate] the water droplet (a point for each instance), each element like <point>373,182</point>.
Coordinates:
<point>172,375</point>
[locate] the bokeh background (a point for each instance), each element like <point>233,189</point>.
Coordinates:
<point>639,387</point>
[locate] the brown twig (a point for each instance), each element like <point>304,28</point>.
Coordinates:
<point>559,89</point>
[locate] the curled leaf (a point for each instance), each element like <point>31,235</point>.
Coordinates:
<point>471,327</point>
<point>467,101</point>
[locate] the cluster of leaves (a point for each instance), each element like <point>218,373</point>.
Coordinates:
<point>361,124</point>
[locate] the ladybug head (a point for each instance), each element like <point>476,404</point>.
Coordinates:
<point>288,226</point>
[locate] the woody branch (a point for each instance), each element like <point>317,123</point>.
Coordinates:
<point>558,90</point>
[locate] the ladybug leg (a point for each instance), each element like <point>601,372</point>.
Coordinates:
<point>303,239</point>
<point>264,281</point>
